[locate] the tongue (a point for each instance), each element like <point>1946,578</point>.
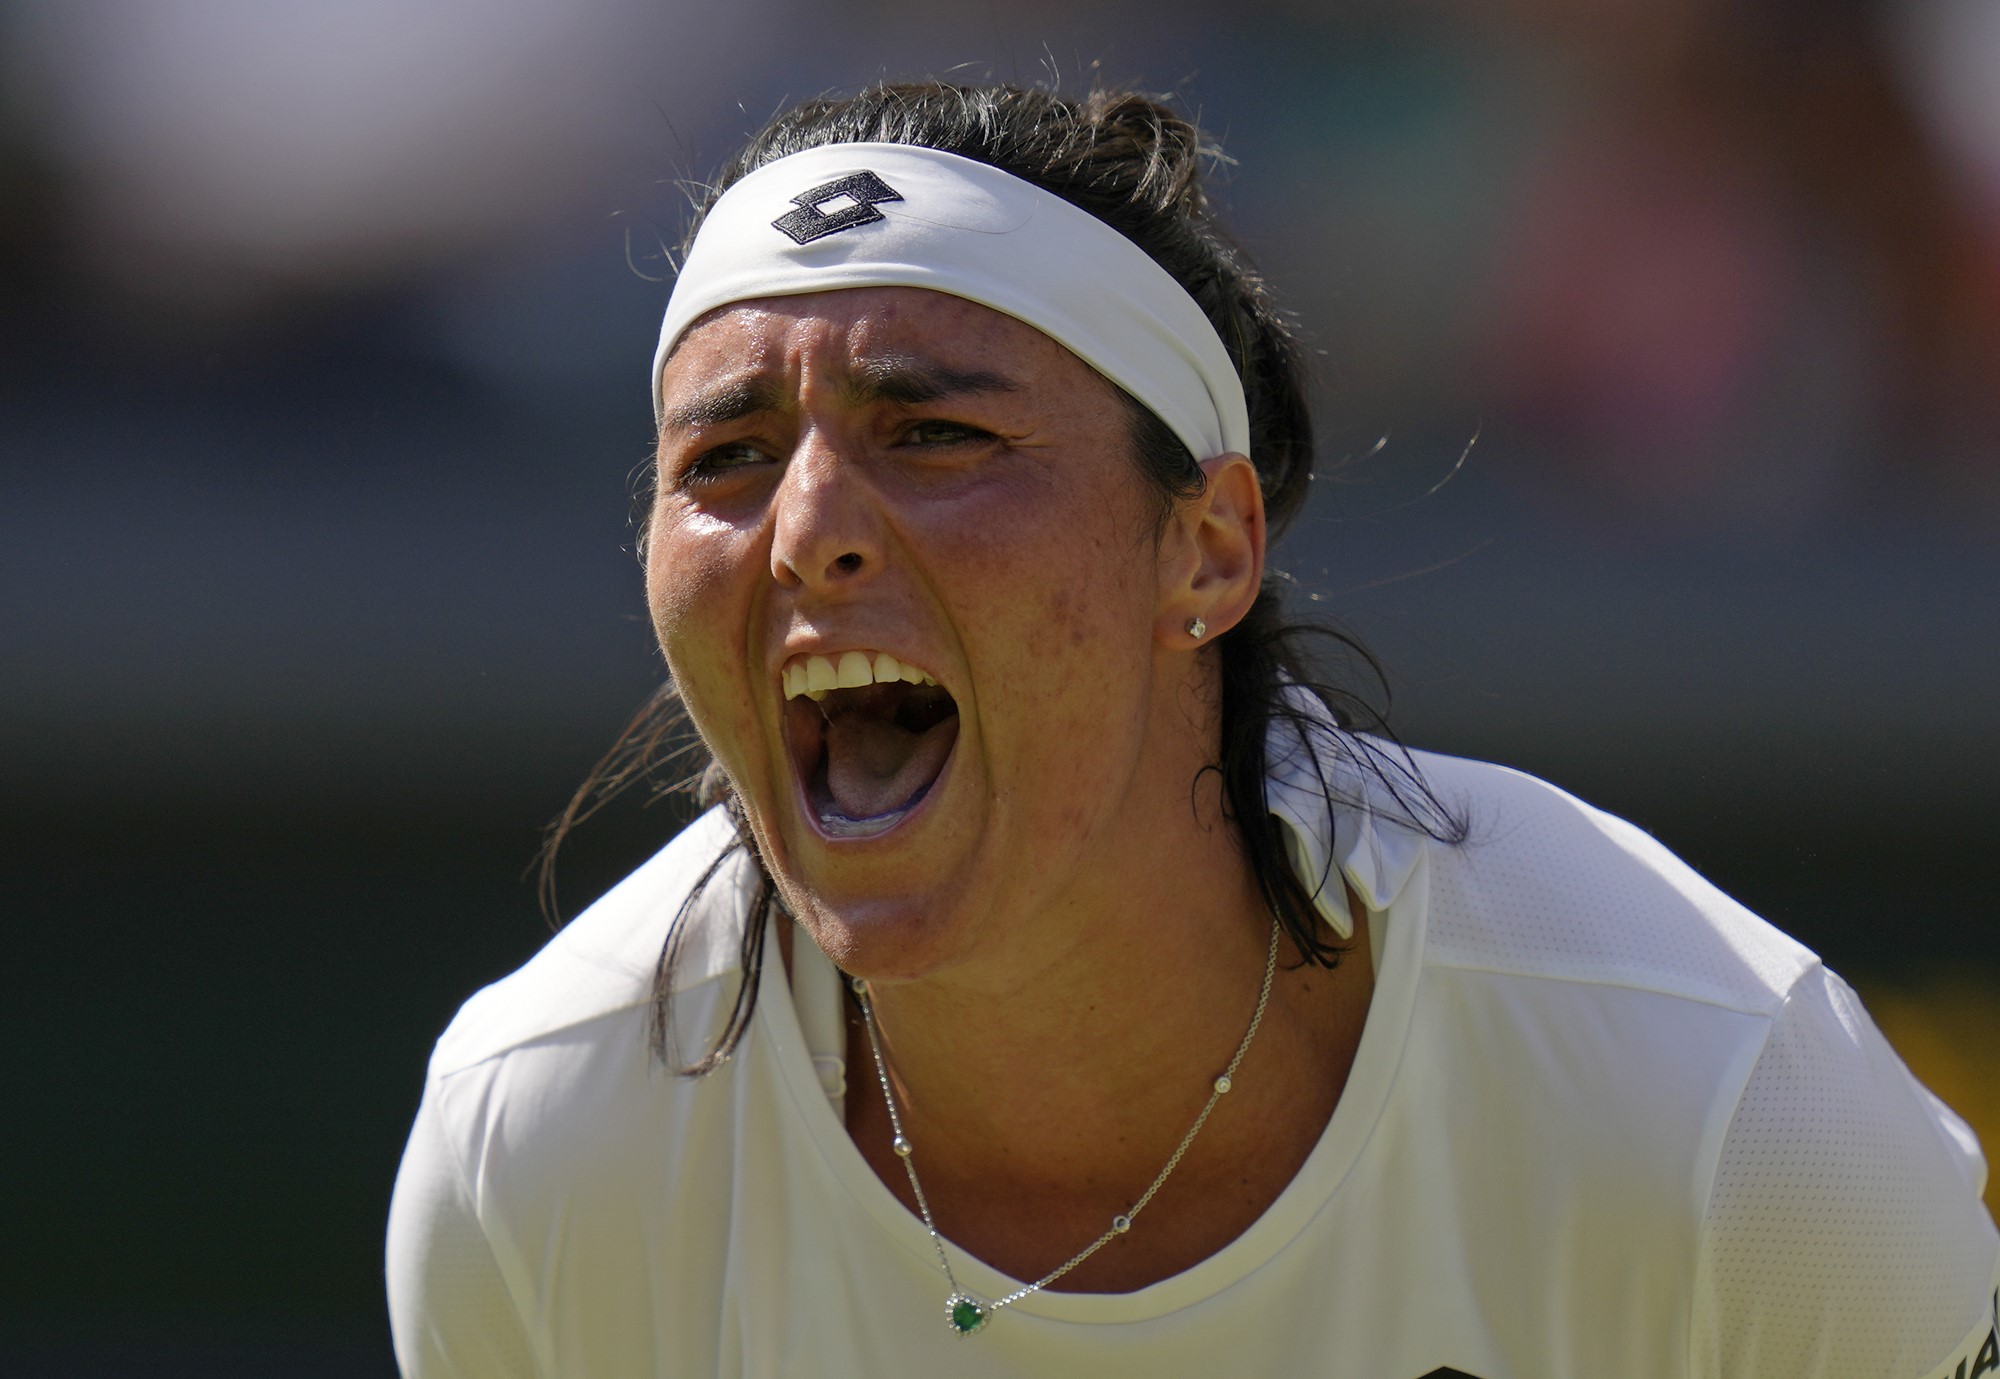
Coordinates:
<point>874,766</point>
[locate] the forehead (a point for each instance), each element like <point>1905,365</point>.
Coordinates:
<point>833,331</point>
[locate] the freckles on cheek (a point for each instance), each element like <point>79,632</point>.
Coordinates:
<point>1056,624</point>
<point>1090,611</point>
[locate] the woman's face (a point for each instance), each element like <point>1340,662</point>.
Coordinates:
<point>875,488</point>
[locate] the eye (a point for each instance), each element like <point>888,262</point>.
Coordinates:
<point>721,460</point>
<point>936,434</point>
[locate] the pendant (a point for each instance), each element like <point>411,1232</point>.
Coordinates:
<point>964,1315</point>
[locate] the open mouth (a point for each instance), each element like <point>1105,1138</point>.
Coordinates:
<point>869,737</point>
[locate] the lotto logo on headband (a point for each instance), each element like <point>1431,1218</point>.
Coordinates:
<point>860,190</point>
<point>970,230</point>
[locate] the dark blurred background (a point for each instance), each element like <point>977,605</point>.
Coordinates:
<point>1660,352</point>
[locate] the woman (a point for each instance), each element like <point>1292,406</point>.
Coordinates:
<point>1061,985</point>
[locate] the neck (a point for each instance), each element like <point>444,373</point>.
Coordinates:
<point>1043,1096</point>
<point>1061,1065</point>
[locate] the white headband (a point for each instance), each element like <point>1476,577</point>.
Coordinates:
<point>895,215</point>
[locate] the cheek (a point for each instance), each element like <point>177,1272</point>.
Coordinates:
<point>698,598</point>
<point>689,563</point>
<point>1101,599</point>
<point>1064,603</point>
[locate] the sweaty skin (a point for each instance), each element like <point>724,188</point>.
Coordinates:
<point>1061,930</point>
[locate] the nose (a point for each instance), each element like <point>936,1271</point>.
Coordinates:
<point>826,532</point>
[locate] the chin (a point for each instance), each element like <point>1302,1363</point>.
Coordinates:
<point>902,937</point>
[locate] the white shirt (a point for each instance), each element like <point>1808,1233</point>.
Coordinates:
<point>1602,1122</point>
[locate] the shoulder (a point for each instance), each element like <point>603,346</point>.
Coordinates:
<point>548,1131</point>
<point>602,963</point>
<point>1546,885</point>
<point>1834,1214</point>
<point>1844,1232</point>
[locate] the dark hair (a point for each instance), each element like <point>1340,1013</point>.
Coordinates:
<point>1135,164</point>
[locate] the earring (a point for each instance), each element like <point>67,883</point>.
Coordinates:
<point>1196,627</point>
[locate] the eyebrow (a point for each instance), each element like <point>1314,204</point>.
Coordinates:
<point>912,382</point>
<point>902,380</point>
<point>722,405</point>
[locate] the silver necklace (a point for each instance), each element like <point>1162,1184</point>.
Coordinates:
<point>965,1313</point>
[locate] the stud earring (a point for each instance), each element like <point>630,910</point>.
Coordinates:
<point>1196,627</point>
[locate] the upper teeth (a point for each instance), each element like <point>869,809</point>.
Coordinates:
<point>813,676</point>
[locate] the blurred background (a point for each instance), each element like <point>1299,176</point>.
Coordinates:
<point>1659,351</point>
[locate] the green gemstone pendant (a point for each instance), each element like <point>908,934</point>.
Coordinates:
<point>965,1315</point>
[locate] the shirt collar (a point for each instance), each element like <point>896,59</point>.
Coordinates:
<point>1336,819</point>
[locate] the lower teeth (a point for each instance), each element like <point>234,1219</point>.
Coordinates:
<point>847,826</point>
<point>840,825</point>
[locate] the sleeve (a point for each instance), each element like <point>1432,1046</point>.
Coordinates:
<point>1844,1236</point>
<point>449,1308</point>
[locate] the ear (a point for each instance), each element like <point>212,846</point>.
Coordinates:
<point>1212,555</point>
